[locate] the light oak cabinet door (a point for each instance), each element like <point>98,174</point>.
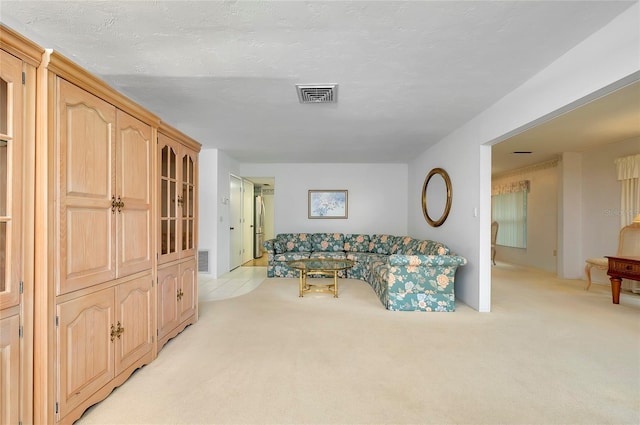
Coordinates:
<point>177,231</point>
<point>188,203</point>
<point>168,290</point>
<point>11,147</point>
<point>133,194</point>
<point>9,369</point>
<point>177,299</point>
<point>105,165</point>
<point>134,302</point>
<point>99,336</point>
<point>86,127</point>
<point>169,220</point>
<point>85,347</point>
<point>187,290</point>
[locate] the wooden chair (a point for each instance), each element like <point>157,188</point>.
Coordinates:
<point>494,237</point>
<point>628,246</point>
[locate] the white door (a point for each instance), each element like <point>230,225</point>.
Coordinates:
<point>235,222</point>
<point>247,221</point>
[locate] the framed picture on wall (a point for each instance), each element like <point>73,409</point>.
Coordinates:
<point>328,203</point>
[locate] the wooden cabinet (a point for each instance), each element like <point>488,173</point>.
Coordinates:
<point>100,335</point>
<point>18,61</point>
<point>80,235</point>
<point>177,199</point>
<point>105,164</point>
<point>177,229</point>
<point>97,250</point>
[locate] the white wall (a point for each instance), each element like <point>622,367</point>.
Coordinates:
<point>377,199</point>
<point>570,259</point>
<point>208,207</point>
<point>215,168</point>
<point>607,59</point>
<point>542,218</point>
<point>601,201</point>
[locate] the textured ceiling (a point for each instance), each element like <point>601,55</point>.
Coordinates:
<point>409,73</point>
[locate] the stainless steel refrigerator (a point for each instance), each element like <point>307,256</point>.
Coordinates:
<point>258,227</point>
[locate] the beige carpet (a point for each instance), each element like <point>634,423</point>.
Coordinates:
<point>549,353</point>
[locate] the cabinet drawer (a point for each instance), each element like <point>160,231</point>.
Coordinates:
<point>624,267</point>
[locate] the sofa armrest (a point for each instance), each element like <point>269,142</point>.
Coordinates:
<point>269,246</point>
<point>426,260</point>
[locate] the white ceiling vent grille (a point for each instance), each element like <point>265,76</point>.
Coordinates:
<point>317,93</point>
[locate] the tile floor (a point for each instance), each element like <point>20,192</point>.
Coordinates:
<point>232,284</point>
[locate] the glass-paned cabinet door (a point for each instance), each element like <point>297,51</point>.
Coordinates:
<point>169,200</point>
<point>188,202</point>
<point>10,181</point>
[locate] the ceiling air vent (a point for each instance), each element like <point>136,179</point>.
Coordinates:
<point>317,93</point>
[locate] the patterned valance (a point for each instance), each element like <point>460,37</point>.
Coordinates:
<point>628,167</point>
<point>501,189</point>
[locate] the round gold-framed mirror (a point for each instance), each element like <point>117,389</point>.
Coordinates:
<point>433,198</point>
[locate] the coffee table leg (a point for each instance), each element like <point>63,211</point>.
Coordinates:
<point>301,283</point>
<point>335,284</point>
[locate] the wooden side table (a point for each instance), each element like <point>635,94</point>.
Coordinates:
<point>622,268</point>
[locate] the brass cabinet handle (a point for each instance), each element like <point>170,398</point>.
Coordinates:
<point>116,203</point>
<point>180,294</point>
<point>116,332</point>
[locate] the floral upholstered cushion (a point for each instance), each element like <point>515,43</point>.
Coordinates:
<point>329,254</point>
<point>382,244</point>
<point>324,242</point>
<point>298,242</point>
<point>408,246</point>
<point>432,248</point>
<point>290,256</point>
<point>427,260</point>
<point>356,243</point>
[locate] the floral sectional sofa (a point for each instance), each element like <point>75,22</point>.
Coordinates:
<point>405,273</point>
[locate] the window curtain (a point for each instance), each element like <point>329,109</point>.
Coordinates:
<point>628,169</point>
<point>510,211</point>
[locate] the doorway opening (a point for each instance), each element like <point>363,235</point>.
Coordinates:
<point>254,218</point>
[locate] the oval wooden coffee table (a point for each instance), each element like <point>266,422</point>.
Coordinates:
<point>324,266</point>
